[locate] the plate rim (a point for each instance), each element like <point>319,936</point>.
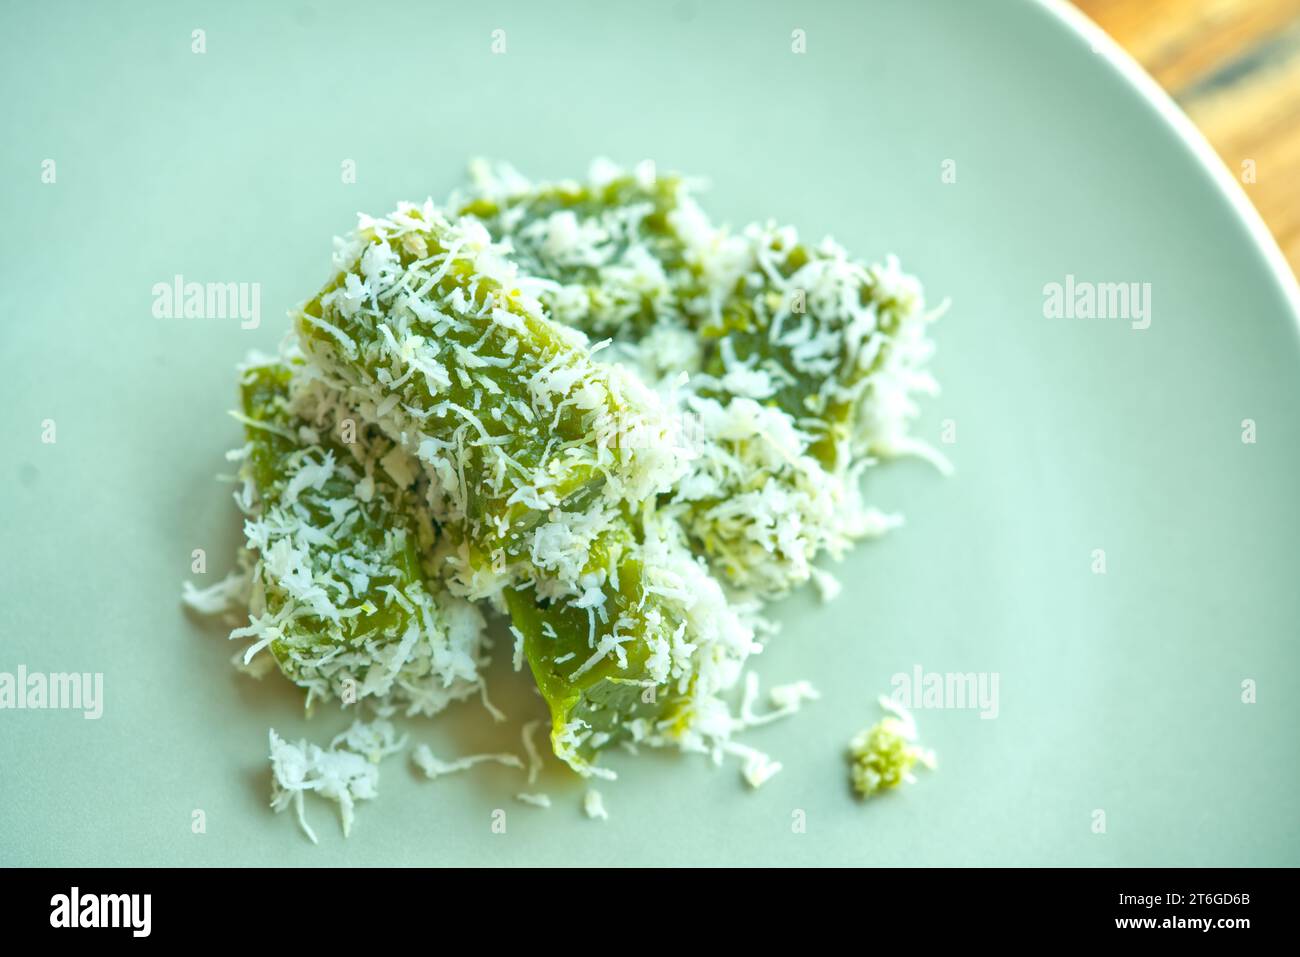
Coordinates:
<point>1074,20</point>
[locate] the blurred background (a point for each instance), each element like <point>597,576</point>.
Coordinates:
<point>1234,67</point>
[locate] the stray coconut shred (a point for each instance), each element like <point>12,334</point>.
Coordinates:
<point>583,410</point>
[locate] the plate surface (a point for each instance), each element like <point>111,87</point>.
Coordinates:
<point>1118,692</point>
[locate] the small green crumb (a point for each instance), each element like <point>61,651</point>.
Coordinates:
<point>884,754</point>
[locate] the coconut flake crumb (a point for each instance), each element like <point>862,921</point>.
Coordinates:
<point>593,805</point>
<point>758,767</point>
<point>226,595</point>
<point>346,772</point>
<point>786,700</point>
<point>434,767</point>
<point>883,756</point>
<point>827,585</point>
<point>530,748</point>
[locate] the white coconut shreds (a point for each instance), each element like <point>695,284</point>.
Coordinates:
<point>225,596</point>
<point>434,767</point>
<point>345,772</point>
<point>536,800</point>
<point>593,805</point>
<point>630,502</point>
<point>530,749</point>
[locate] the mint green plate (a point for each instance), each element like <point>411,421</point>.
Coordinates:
<point>1119,693</point>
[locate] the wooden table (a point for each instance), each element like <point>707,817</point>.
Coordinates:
<point>1234,67</point>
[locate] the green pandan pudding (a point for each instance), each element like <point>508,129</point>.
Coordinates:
<point>800,362</point>
<point>339,594</point>
<point>427,331</point>
<point>543,468</point>
<point>627,505</point>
